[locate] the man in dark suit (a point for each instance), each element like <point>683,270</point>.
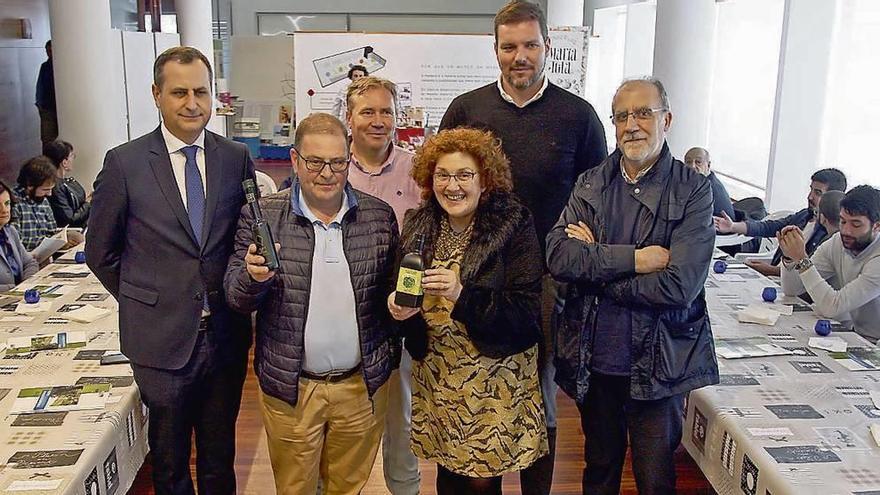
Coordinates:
<point>159,239</point>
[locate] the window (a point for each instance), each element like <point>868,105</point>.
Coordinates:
<point>849,131</point>
<point>605,63</point>
<point>746,64</point>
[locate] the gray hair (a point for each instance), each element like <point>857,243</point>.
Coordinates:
<point>653,81</point>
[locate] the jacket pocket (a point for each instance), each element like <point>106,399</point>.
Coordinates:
<point>140,294</point>
<point>682,348</point>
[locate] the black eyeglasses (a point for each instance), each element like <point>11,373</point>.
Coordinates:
<point>317,165</point>
<point>642,114</point>
<point>464,177</point>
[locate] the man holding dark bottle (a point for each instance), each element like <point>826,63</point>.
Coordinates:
<point>324,342</point>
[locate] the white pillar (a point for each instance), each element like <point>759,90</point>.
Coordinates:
<point>801,87</point>
<point>194,23</point>
<point>638,52</point>
<point>88,82</point>
<point>683,53</point>
<point>565,12</point>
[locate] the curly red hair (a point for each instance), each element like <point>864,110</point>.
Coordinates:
<point>482,146</point>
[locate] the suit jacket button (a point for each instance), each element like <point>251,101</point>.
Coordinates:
<point>198,296</point>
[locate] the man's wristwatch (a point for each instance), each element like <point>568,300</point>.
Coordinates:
<point>803,265</point>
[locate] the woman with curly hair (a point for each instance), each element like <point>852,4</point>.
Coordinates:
<point>477,409</point>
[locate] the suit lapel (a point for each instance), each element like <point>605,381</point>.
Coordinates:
<point>161,165</point>
<point>215,173</point>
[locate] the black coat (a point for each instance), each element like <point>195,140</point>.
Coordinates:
<point>68,201</point>
<point>369,237</point>
<point>672,348</point>
<point>500,274</point>
<point>141,246</point>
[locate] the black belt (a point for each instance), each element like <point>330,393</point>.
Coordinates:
<point>331,377</point>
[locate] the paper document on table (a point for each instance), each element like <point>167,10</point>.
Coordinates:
<point>783,309</point>
<point>875,398</point>
<point>49,245</point>
<point>875,432</point>
<point>61,398</point>
<point>24,308</point>
<point>86,314</point>
<point>748,347</point>
<point>858,358</point>
<point>75,269</point>
<point>830,344</point>
<point>46,342</point>
<point>17,319</point>
<point>757,313</point>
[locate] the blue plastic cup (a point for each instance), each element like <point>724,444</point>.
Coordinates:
<point>720,266</point>
<point>80,257</point>
<point>32,296</point>
<point>823,327</point>
<point>769,294</point>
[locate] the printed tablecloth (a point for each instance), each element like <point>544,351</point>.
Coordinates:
<point>790,424</point>
<point>95,451</point>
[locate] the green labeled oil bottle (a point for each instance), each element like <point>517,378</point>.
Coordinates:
<point>409,280</point>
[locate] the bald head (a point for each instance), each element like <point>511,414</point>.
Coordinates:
<point>698,159</point>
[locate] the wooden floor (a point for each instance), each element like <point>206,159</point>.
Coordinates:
<point>254,472</point>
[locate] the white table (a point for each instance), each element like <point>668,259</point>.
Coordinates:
<point>74,452</point>
<point>795,424</point>
<point>722,240</point>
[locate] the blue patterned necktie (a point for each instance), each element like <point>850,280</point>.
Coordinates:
<point>195,193</point>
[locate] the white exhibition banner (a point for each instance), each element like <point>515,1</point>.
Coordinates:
<point>429,69</point>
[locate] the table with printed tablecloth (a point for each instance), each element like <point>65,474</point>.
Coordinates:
<point>70,425</point>
<point>785,424</point>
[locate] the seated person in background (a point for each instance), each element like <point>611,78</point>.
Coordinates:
<point>828,219</point>
<point>31,213</point>
<point>827,179</point>
<point>698,159</point>
<point>340,104</point>
<point>69,201</point>
<point>16,263</point>
<point>829,214</point>
<point>843,275</point>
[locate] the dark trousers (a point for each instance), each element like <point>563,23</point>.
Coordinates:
<point>654,429</point>
<point>537,479</point>
<point>202,397</point>
<point>48,125</point>
<point>449,483</point>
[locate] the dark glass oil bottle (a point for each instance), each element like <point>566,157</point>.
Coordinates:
<point>262,235</point>
<point>409,279</point>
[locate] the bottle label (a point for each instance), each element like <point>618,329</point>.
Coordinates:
<point>409,281</point>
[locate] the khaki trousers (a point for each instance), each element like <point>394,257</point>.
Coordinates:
<point>333,432</point>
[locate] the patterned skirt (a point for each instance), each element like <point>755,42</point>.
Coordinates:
<point>474,415</point>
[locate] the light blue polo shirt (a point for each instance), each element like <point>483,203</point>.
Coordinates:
<point>331,333</point>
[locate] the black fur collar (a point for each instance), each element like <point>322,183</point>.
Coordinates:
<point>498,217</point>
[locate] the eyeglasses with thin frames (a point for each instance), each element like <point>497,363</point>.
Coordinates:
<point>640,114</point>
<point>464,177</point>
<point>317,165</point>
